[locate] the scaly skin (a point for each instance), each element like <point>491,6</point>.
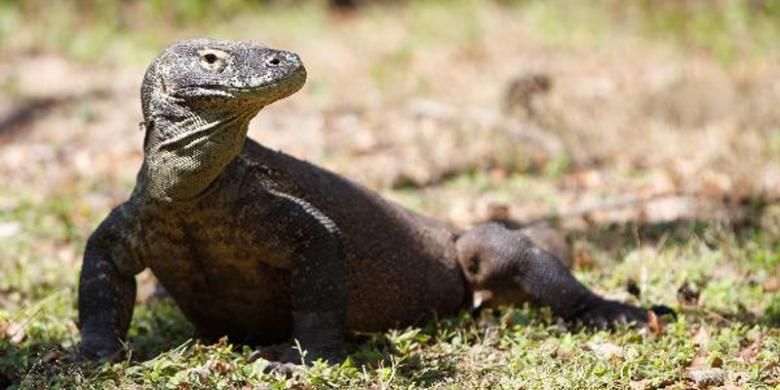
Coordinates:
<point>260,246</point>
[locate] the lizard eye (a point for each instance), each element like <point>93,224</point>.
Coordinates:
<point>212,60</point>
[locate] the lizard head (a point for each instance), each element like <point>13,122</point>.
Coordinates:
<point>198,97</point>
<point>218,79</point>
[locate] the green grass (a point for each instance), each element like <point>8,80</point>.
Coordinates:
<point>509,348</point>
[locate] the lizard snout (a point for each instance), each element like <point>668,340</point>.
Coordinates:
<point>285,60</point>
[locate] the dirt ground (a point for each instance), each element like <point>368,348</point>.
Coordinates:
<point>659,132</point>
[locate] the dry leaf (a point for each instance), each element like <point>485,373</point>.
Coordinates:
<point>639,385</point>
<point>702,338</point>
<point>699,362</point>
<point>717,362</point>
<point>654,324</point>
<point>14,331</point>
<point>498,211</point>
<point>633,288</point>
<point>583,260</point>
<point>750,352</point>
<point>688,294</point>
<point>203,374</point>
<point>771,284</point>
<point>219,367</point>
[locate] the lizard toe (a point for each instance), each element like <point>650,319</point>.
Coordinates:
<point>287,369</point>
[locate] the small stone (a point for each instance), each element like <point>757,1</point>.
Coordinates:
<point>639,385</point>
<point>704,376</point>
<point>203,374</point>
<point>9,229</point>
<point>606,350</point>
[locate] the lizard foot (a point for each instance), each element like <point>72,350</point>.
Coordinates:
<point>290,361</point>
<point>287,369</point>
<point>606,314</point>
<point>330,354</point>
<point>100,349</point>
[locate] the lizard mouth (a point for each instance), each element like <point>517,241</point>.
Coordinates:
<point>279,74</point>
<point>268,91</point>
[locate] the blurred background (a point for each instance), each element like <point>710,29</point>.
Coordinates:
<point>608,110</point>
<point>643,117</point>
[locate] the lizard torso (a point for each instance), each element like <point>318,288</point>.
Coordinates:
<point>214,257</point>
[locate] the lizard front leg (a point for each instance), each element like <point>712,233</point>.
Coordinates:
<point>107,291</point>
<point>318,277</point>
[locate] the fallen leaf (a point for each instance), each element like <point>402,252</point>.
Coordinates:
<point>203,374</point>
<point>750,352</point>
<point>698,362</point>
<point>715,183</point>
<point>583,260</point>
<point>771,284</point>
<point>702,338</point>
<point>654,324</point>
<point>219,367</point>
<point>633,288</point>
<point>498,211</point>
<point>498,176</point>
<point>15,332</point>
<point>688,294</point>
<point>717,362</point>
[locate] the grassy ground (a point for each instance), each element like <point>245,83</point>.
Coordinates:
<point>655,149</point>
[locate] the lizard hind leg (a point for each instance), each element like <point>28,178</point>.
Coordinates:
<point>511,268</point>
<point>488,255</point>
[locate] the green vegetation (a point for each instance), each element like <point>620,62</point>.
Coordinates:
<point>90,29</point>
<point>734,327</point>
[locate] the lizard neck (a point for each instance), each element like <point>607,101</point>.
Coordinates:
<point>194,152</point>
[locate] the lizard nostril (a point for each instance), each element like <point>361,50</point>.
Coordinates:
<point>274,61</point>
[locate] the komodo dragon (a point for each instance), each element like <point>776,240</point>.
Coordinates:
<point>260,246</point>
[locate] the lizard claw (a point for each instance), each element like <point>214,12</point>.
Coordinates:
<point>287,369</point>
<point>663,310</point>
<point>290,362</point>
<point>275,364</point>
<point>99,356</point>
<point>607,314</point>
